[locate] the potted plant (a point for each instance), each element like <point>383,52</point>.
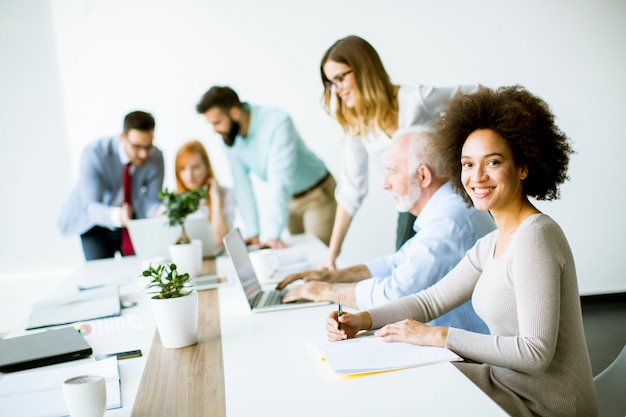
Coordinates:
<point>187,254</point>
<point>174,305</point>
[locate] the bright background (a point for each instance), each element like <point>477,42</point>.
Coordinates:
<point>71,70</point>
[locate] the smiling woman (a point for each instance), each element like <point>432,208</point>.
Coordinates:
<point>502,146</point>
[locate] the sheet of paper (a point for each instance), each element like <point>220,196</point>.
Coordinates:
<point>40,393</point>
<point>110,326</point>
<point>372,354</point>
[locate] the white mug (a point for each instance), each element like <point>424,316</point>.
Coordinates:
<point>85,396</point>
<point>264,262</point>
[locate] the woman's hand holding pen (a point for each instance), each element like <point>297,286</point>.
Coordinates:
<point>351,324</point>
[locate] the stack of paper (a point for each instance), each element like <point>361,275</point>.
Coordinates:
<point>40,393</point>
<point>371,354</point>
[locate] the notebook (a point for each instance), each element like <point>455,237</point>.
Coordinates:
<point>84,305</point>
<point>368,354</point>
<point>41,349</point>
<point>152,237</point>
<point>259,300</point>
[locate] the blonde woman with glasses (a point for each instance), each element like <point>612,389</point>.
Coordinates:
<point>359,94</point>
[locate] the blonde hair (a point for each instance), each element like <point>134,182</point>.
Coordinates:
<point>376,104</point>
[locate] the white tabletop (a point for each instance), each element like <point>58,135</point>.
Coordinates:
<point>266,360</point>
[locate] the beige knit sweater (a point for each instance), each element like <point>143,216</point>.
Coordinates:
<point>535,361</point>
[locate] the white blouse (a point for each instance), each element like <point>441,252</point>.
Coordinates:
<point>418,105</point>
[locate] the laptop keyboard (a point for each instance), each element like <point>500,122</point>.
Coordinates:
<point>273,298</point>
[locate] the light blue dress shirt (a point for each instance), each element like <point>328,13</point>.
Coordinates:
<point>445,230</point>
<point>274,151</point>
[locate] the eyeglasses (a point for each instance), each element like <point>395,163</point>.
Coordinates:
<point>337,82</point>
<point>137,148</point>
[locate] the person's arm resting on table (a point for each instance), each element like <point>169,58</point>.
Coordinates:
<point>326,285</point>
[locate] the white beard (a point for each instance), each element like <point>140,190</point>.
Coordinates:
<point>405,203</point>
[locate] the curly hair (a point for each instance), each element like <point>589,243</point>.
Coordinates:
<point>375,93</point>
<point>523,120</point>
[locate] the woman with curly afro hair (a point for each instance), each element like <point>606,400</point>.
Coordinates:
<point>502,147</point>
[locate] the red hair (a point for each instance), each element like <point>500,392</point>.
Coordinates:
<point>184,153</point>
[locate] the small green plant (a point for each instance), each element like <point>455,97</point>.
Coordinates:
<point>178,206</point>
<point>167,282</point>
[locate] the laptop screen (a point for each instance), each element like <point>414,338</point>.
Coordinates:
<point>152,237</point>
<point>238,252</point>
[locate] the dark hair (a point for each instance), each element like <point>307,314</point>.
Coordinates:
<point>523,120</point>
<point>139,120</point>
<point>224,98</point>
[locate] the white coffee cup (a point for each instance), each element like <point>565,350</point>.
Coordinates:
<point>85,395</point>
<point>264,262</point>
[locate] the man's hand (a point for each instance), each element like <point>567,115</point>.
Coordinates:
<point>254,240</point>
<point>316,275</point>
<point>314,291</point>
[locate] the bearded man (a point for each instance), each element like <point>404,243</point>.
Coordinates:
<point>263,141</point>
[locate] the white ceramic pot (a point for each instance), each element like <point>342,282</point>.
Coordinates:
<point>177,320</point>
<point>187,257</point>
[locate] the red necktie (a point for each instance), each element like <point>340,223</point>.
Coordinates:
<point>127,245</point>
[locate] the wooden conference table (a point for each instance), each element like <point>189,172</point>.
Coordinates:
<point>248,364</point>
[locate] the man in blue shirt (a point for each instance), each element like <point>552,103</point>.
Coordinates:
<point>445,229</point>
<point>98,208</point>
<point>264,141</point>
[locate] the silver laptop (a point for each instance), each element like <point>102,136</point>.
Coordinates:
<point>259,300</point>
<point>152,237</point>
<point>40,349</point>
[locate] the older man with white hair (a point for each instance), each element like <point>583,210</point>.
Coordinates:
<point>445,229</point>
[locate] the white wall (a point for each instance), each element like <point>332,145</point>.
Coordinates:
<point>71,69</point>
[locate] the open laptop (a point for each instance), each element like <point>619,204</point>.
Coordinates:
<point>41,349</point>
<point>259,300</point>
<point>151,237</point>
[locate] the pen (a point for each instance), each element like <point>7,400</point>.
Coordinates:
<point>338,315</point>
<point>121,355</point>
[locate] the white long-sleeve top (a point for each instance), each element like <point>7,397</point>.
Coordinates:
<point>417,105</point>
<point>535,361</point>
